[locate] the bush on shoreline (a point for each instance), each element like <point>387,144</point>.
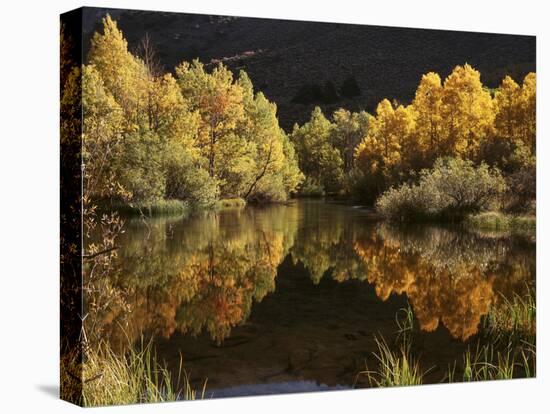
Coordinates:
<point>452,189</point>
<point>231,203</point>
<point>310,188</point>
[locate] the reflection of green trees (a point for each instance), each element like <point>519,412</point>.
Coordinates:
<point>325,240</point>
<point>198,274</point>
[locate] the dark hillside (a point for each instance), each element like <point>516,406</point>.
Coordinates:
<point>302,64</point>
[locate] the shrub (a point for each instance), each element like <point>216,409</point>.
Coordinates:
<point>452,188</point>
<point>140,167</point>
<point>522,181</point>
<point>311,188</point>
<point>231,203</point>
<point>190,183</point>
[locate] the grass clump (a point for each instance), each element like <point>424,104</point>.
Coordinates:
<point>488,363</point>
<point>494,220</point>
<point>489,220</point>
<point>513,320</point>
<point>231,203</point>
<point>108,378</point>
<point>395,368</point>
<point>523,223</point>
<point>507,349</point>
<point>152,208</point>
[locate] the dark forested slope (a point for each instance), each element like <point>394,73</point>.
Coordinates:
<point>302,64</point>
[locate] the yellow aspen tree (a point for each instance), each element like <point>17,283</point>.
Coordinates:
<point>319,160</point>
<point>219,103</point>
<point>381,155</point>
<point>123,74</point>
<point>388,134</point>
<point>403,127</point>
<point>508,110</point>
<point>102,128</point>
<point>529,110</point>
<point>467,111</point>
<point>427,105</point>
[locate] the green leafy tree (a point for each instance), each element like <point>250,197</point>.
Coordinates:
<point>349,129</point>
<point>272,172</point>
<point>219,103</point>
<point>319,160</point>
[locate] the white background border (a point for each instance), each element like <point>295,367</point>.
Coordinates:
<point>29,207</point>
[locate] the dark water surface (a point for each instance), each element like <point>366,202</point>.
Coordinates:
<point>289,298</point>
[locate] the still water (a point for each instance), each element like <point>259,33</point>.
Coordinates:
<point>289,298</point>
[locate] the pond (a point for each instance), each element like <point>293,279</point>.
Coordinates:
<point>291,297</point>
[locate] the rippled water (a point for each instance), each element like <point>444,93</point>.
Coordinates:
<point>288,298</point>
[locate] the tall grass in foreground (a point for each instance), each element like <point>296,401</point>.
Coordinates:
<point>508,351</point>
<point>489,363</point>
<point>136,377</point>
<point>509,333</point>
<point>513,321</point>
<point>395,368</point>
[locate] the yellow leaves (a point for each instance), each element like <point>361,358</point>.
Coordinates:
<point>427,106</point>
<point>218,100</point>
<point>507,102</point>
<point>467,112</point>
<point>103,117</point>
<point>388,136</point>
<point>123,74</point>
<point>515,107</point>
<point>454,118</point>
<point>529,110</point>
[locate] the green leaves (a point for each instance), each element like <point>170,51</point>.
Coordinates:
<point>197,137</point>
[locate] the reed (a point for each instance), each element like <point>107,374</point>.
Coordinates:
<point>513,320</point>
<point>395,367</point>
<point>108,378</point>
<point>489,363</point>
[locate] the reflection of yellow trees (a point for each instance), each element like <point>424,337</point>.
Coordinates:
<point>205,273</point>
<point>458,300</point>
<point>448,277</point>
<point>202,274</point>
<point>228,278</point>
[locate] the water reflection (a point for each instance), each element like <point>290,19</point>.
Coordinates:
<point>205,273</point>
<point>448,276</point>
<point>198,274</point>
